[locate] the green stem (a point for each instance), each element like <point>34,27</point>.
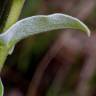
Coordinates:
<point>3,55</point>
<point>13,16</point>
<point>14,13</point>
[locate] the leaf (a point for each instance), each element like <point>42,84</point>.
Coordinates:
<point>34,25</point>
<point>38,24</point>
<point>1,88</point>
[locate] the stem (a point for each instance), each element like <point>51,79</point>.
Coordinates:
<point>14,13</point>
<point>3,55</point>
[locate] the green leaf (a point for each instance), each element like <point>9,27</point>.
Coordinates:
<point>40,23</point>
<point>34,25</point>
<point>1,88</point>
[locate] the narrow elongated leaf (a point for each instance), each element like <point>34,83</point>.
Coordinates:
<point>40,23</point>
<point>1,88</point>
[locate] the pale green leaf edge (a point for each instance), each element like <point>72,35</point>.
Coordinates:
<point>40,23</point>
<point>1,88</point>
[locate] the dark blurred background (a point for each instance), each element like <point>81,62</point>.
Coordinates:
<point>58,63</point>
